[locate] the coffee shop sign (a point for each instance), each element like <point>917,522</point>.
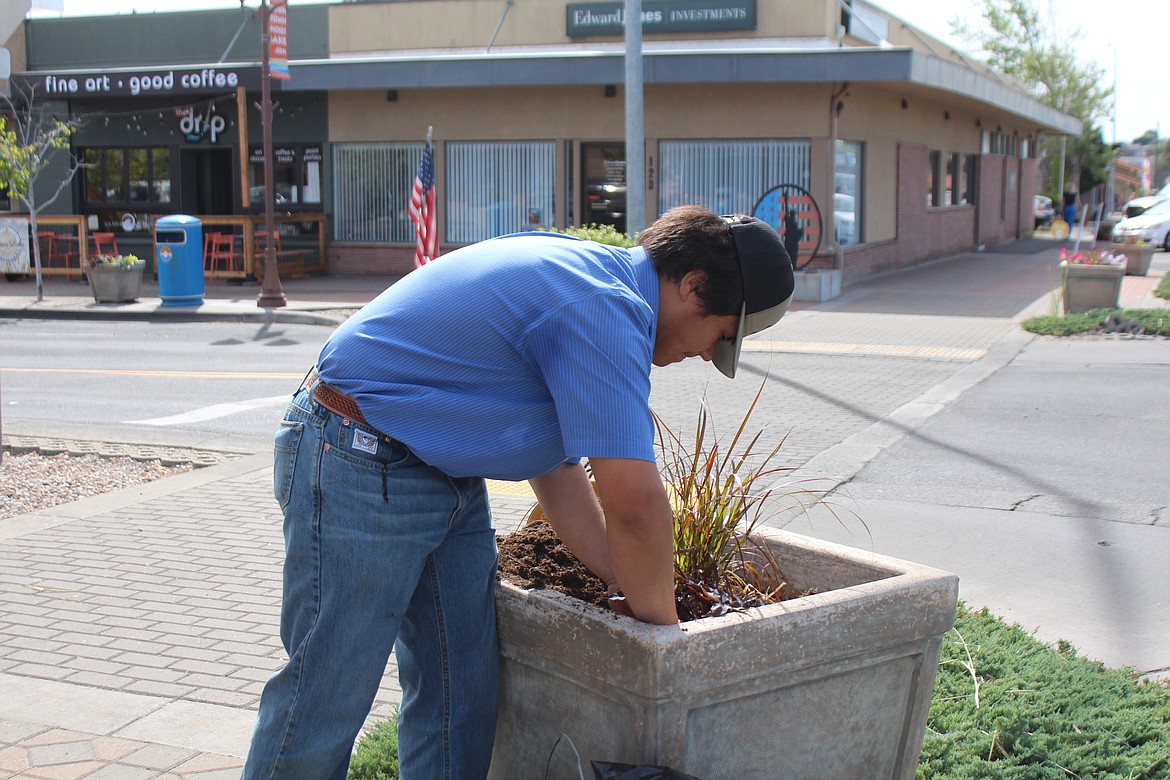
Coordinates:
<point>143,83</point>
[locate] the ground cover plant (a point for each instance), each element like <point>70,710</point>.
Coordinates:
<point>1008,706</point>
<point>376,755</point>
<point>1163,288</point>
<point>1149,322</point>
<point>1005,706</point>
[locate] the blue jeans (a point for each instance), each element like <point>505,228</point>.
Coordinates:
<point>382,551</point>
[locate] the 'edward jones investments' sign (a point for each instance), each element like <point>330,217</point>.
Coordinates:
<point>582,19</point>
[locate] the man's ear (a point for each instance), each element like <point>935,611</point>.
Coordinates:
<point>692,286</point>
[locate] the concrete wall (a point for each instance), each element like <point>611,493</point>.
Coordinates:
<point>442,24</point>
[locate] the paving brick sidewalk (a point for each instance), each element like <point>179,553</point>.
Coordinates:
<point>138,627</point>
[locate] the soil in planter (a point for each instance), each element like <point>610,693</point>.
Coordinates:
<point>533,557</point>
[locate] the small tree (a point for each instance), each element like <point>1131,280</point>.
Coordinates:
<point>1015,40</point>
<point>30,138</point>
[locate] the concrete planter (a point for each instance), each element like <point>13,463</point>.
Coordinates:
<point>114,283</point>
<point>1137,257</point>
<point>836,684</point>
<point>816,285</point>
<point>1088,287</point>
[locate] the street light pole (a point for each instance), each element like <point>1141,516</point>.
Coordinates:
<point>271,293</point>
<point>1112,194</point>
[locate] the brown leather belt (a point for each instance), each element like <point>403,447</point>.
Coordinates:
<point>334,400</point>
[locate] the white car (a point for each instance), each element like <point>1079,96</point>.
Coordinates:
<point>1139,205</point>
<point>1151,225</point>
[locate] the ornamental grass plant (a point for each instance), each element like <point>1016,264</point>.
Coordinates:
<point>721,492</point>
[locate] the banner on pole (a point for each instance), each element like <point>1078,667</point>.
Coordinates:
<point>278,40</point>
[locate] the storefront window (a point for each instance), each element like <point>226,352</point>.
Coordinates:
<point>296,175</point>
<point>934,179</point>
<point>498,187</point>
<point>728,177</point>
<point>124,177</point>
<point>847,193</point>
<point>371,191</point>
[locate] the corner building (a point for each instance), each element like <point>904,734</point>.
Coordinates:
<point>908,149</point>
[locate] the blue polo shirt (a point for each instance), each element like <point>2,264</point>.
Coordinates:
<point>508,358</point>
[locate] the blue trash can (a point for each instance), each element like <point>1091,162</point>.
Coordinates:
<point>178,241</point>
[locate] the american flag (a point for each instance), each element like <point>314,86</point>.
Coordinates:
<point>422,210</point>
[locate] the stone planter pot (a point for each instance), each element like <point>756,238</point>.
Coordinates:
<point>114,283</point>
<point>816,285</point>
<point>1088,287</point>
<point>836,684</point>
<point>1137,257</point>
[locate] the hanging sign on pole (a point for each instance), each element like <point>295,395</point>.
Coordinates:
<point>278,39</point>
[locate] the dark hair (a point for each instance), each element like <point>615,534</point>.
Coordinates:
<point>691,238</point>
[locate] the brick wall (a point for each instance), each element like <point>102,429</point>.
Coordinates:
<point>923,233</point>
<point>357,259</point>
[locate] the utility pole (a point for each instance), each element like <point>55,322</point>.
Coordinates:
<point>271,293</point>
<point>635,124</point>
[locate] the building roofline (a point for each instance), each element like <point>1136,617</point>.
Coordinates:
<point>664,64</point>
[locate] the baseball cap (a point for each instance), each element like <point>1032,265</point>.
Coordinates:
<point>768,283</point>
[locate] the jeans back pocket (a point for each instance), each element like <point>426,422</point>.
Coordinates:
<point>284,461</point>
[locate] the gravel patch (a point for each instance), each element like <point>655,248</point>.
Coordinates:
<point>33,481</point>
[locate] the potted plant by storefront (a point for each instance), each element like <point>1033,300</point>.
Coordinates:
<point>114,278</point>
<point>1091,280</point>
<point>1138,254</point>
<point>833,682</point>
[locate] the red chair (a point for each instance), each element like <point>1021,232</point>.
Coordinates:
<point>218,248</point>
<point>55,249</point>
<point>262,244</point>
<point>103,244</point>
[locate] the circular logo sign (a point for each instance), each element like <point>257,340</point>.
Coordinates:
<point>794,213</point>
<point>164,254</point>
<point>10,242</point>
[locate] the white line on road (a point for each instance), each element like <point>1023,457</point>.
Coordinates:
<point>212,412</point>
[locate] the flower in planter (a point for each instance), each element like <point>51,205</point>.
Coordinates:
<point>1091,257</point>
<point>121,260</point>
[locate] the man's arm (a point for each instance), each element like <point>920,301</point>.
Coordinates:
<point>570,506</point>
<point>631,544</point>
<point>640,535</point>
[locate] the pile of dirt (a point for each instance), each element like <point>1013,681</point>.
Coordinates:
<point>533,557</point>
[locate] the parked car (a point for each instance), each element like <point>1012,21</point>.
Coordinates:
<point>845,218</point>
<point>1151,225</point>
<point>1042,206</point>
<point>1138,205</point>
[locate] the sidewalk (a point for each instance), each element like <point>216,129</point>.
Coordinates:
<point>138,627</point>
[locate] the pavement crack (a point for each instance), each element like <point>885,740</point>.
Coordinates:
<point>1016,505</point>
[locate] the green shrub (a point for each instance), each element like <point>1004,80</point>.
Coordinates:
<point>1153,321</point>
<point>376,756</point>
<point>1056,325</point>
<point>1008,706</point>
<point>602,234</point>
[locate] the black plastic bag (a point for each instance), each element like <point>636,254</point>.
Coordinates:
<point>609,770</point>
